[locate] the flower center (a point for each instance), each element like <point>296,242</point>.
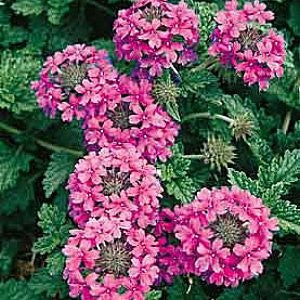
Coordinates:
<point>115,258</point>
<point>115,181</point>
<point>150,13</point>
<point>73,75</point>
<point>230,229</point>
<point>120,116</point>
<point>249,38</point>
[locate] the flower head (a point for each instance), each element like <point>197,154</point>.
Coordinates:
<point>136,119</point>
<point>242,41</point>
<point>72,80</point>
<point>218,153</point>
<point>102,268</point>
<point>156,34</point>
<point>229,232</point>
<point>118,187</point>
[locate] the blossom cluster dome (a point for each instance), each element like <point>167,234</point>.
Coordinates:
<point>101,266</point>
<point>156,34</point>
<point>73,79</point>
<point>228,231</point>
<point>134,118</point>
<point>117,187</point>
<point>243,41</point>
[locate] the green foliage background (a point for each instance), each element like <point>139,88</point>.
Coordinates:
<point>37,154</point>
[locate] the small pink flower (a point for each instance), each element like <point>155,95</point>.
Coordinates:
<point>118,182</point>
<point>98,267</point>
<point>72,80</point>
<point>134,118</point>
<point>239,42</point>
<point>230,246</point>
<point>147,31</point>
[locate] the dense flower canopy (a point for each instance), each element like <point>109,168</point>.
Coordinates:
<point>117,186</point>
<point>133,118</point>
<point>156,34</point>
<point>228,232</point>
<point>243,41</point>
<point>73,79</point>
<point>106,267</point>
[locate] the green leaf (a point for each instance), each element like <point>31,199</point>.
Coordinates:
<point>55,263</point>
<point>154,295</point>
<point>8,251</point>
<point>16,290</point>
<point>183,291</point>
<point>17,70</point>
<point>284,169</point>
<point>241,180</point>
<point>28,7</point>
<point>232,294</point>
<point>59,168</point>
<point>43,284</point>
<point>12,162</point>
<point>55,229</point>
<point>17,198</point>
<point>293,20</point>
<point>175,176</point>
<point>289,266</point>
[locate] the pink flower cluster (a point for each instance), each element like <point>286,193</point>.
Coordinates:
<point>132,117</point>
<point>242,41</point>
<point>97,264</point>
<point>226,233</point>
<point>156,34</point>
<point>72,79</point>
<point>117,187</point>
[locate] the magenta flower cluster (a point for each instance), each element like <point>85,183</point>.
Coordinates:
<point>243,41</point>
<point>224,236</point>
<point>122,245</point>
<point>156,34</point>
<point>93,274</point>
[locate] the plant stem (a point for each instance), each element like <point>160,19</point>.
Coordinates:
<point>193,156</point>
<point>102,7</point>
<point>287,121</point>
<point>176,72</point>
<point>206,115</point>
<point>205,65</point>
<point>40,142</point>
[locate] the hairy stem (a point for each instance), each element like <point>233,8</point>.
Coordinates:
<point>287,121</point>
<point>101,7</point>
<point>40,142</point>
<point>206,115</point>
<point>207,64</point>
<point>193,156</point>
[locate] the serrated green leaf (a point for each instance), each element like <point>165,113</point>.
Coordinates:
<point>55,229</point>
<point>16,290</point>
<point>59,168</point>
<point>55,263</point>
<point>43,284</point>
